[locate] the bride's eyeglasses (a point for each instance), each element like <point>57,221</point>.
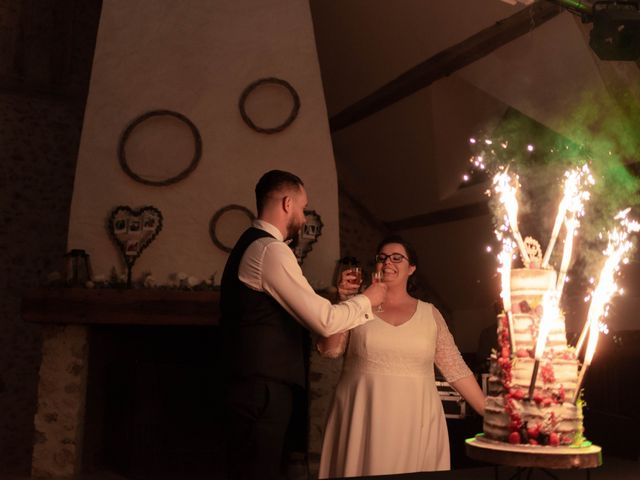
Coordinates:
<point>394,257</point>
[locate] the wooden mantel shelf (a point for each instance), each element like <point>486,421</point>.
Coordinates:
<point>121,307</point>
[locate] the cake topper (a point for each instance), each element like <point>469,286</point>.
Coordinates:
<point>534,252</point>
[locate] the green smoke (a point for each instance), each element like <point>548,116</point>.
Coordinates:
<point>605,137</point>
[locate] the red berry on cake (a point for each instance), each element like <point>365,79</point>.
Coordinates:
<point>561,394</point>
<point>554,439</point>
<point>547,373</point>
<point>518,394</point>
<point>514,437</point>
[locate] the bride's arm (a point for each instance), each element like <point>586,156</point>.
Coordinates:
<point>470,390</point>
<point>333,346</point>
<point>453,366</point>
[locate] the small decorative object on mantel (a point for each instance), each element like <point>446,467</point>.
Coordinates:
<point>307,236</point>
<point>224,234</point>
<point>133,230</point>
<point>177,281</point>
<point>78,268</point>
<point>269,104</point>
<point>158,154</point>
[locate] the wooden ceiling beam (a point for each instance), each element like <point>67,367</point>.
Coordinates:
<point>440,216</point>
<point>447,61</point>
<point>464,212</point>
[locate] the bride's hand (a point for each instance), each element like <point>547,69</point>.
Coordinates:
<point>349,284</point>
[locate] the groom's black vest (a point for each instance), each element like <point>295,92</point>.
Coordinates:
<point>261,338</point>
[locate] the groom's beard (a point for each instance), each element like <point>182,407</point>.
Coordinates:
<point>293,228</point>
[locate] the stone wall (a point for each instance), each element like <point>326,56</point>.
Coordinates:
<point>44,70</point>
<point>59,421</point>
<point>360,232</point>
<point>39,139</point>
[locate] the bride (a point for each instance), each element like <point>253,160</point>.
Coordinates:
<point>386,416</point>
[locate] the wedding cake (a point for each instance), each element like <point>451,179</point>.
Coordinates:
<point>533,405</point>
<point>546,414</point>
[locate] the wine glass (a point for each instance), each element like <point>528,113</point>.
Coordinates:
<point>376,277</point>
<point>357,280</point>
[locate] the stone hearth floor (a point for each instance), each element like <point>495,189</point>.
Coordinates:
<point>612,469</point>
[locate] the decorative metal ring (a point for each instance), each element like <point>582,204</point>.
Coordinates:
<point>183,174</point>
<point>277,81</point>
<point>214,221</point>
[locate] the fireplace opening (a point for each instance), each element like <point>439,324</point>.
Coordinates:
<point>154,402</point>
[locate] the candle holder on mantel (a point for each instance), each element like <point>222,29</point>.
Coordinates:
<point>133,230</point>
<point>77,268</point>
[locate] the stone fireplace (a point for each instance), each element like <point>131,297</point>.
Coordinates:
<point>143,63</point>
<point>129,382</point>
<point>102,345</point>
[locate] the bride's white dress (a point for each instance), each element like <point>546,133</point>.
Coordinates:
<point>387,416</point>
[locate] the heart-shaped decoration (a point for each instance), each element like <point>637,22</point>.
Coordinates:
<point>133,230</point>
<point>307,236</point>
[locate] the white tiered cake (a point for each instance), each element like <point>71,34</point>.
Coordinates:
<point>549,416</point>
<point>533,412</point>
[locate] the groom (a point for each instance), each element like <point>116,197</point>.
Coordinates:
<point>267,306</point>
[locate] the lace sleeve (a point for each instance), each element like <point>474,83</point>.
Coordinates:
<point>448,358</point>
<point>334,346</point>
